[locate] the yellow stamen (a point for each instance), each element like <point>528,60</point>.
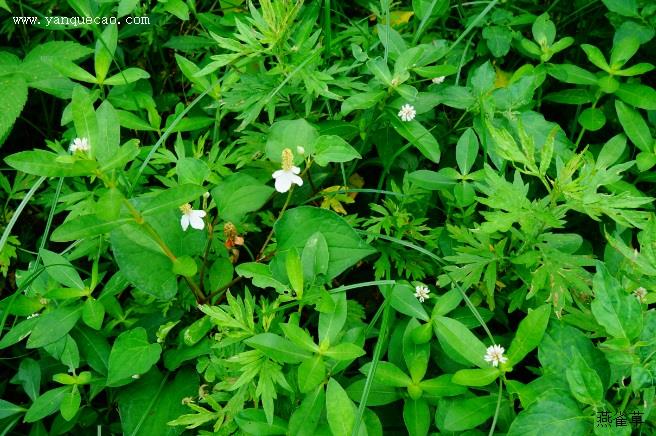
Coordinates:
<point>185,208</point>
<point>287,159</point>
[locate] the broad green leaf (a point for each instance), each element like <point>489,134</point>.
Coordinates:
<point>544,30</point>
<point>18,332</point>
<point>54,325</point>
<point>127,76</point>
<point>184,266</point>
<point>498,40</point>
<point>290,134</point>
<point>47,404</point>
<point>148,404</point>
<point>404,301</point>
<point>331,323</point>
<point>9,409</point>
<point>60,269</point>
<point>435,180</point>
<point>48,164</point>
<point>131,355</point>
<point>130,245</point>
<point>254,422</point>
<point>637,95</point>
<point>70,404</point>
<point>425,9</point>
<point>126,153</point>
<point>340,411</point>
<point>416,355</point>
<point>311,372</point>
<point>378,67</point>
<point>418,136</point>
<point>94,348</point>
<point>294,271</point>
<point>191,170</point>
<point>278,348</point>
<point>69,69</point>
<point>569,73</point>
<point>305,419</point>
<point>476,377</point>
<point>552,413</point>
<point>592,119</point>
<point>467,150</point>
<point>611,151</point>
<point>29,376</point>
<point>171,199</point>
<point>461,340</point>
<point>109,133</point>
<point>596,57</point>
<point>85,226</point>
<point>388,374</point>
<point>529,334</point>
<point>344,351</point>
<point>555,351</point>
<point>14,96</point>
<point>361,101</point>
<point>627,8</point>
<point>623,50</point>
<point>584,382</point>
<point>441,386</point>
<point>379,394</point>
<point>345,247</point>
<point>315,257</point>
<point>261,275</point>
<point>615,309</point>
<point>239,194</point>
<point>468,413</point>
<point>332,148</point>
<point>416,416</point>
<point>299,337</point>
<point>634,126</point>
<point>84,117</point>
<point>93,313</point>
<point>105,48</point>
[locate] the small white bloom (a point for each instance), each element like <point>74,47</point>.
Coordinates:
<point>79,144</point>
<point>136,376</point>
<point>640,294</point>
<point>206,195</point>
<point>421,293</point>
<point>407,112</point>
<point>34,315</point>
<point>300,149</point>
<point>288,175</point>
<point>438,80</point>
<point>495,355</point>
<point>193,217</point>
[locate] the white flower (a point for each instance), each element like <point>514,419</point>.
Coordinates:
<point>421,293</point>
<point>206,195</point>
<point>34,315</point>
<point>640,294</point>
<point>79,144</point>
<point>407,112</point>
<point>300,149</point>
<point>438,80</point>
<point>193,217</point>
<point>136,376</point>
<point>288,175</point>
<point>495,355</point>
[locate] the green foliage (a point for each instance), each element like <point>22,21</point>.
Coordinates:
<point>313,217</point>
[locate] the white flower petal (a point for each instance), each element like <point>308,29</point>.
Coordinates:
<point>277,174</point>
<point>184,222</point>
<point>296,170</point>
<point>283,183</point>
<point>296,179</point>
<point>196,220</point>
